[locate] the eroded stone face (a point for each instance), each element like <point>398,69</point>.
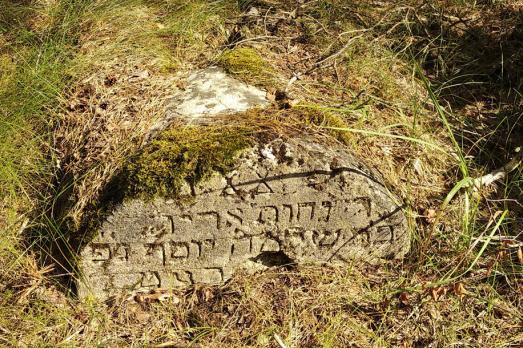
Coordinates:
<point>293,201</point>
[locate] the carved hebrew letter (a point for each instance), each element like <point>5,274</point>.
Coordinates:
<point>120,253</point>
<point>150,280</point>
<point>211,217</point>
<point>155,253</point>
<point>306,211</point>
<point>179,250</point>
<point>268,214</point>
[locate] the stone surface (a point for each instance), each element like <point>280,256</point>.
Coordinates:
<point>294,201</point>
<point>211,92</point>
<point>207,93</point>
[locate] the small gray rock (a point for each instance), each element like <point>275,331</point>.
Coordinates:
<point>211,91</point>
<point>208,93</point>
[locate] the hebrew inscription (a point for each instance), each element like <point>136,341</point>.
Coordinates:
<point>311,203</point>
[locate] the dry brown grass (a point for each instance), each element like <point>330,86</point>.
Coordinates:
<point>128,60</point>
<point>306,307</point>
<point>119,92</point>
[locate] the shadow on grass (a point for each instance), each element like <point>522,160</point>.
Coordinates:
<point>473,57</point>
<point>475,61</point>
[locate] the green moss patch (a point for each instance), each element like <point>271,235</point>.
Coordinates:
<point>247,65</point>
<point>187,154</point>
<point>190,154</point>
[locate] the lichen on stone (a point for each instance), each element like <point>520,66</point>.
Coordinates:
<point>247,65</point>
<point>180,155</point>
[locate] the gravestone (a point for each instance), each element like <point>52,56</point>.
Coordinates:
<point>287,201</point>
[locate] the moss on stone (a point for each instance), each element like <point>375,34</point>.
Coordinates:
<point>247,65</point>
<point>189,154</point>
<point>184,155</point>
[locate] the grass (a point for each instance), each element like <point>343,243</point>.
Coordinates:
<point>37,50</point>
<point>194,29</point>
<point>33,80</point>
<point>82,81</point>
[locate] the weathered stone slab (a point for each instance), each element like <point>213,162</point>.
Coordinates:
<point>293,201</point>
